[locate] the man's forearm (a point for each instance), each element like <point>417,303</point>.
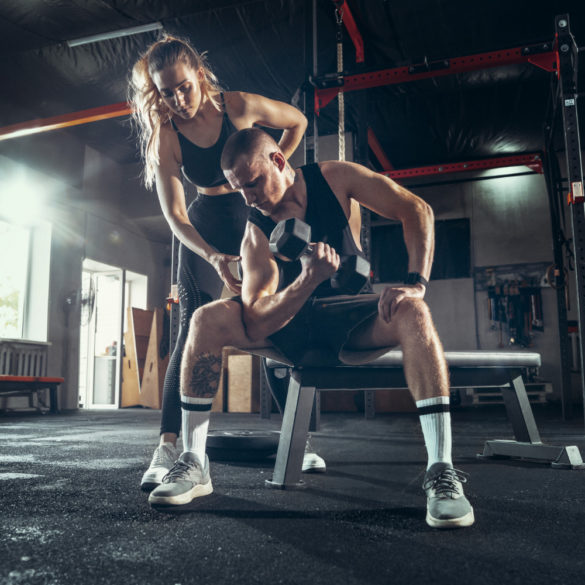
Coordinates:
<point>419,237</point>
<point>267,314</point>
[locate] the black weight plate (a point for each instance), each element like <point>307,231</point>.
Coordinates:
<point>241,444</point>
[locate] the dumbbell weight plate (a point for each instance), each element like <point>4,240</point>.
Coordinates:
<point>290,238</point>
<point>352,275</point>
<point>241,445</point>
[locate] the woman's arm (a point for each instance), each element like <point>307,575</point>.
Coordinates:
<point>251,109</point>
<point>171,195</point>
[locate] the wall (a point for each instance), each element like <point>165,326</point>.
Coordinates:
<point>510,225</point>
<point>94,221</point>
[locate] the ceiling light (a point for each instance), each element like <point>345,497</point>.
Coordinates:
<point>125,32</point>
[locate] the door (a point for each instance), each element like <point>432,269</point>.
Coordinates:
<point>102,303</point>
<point>107,292</point>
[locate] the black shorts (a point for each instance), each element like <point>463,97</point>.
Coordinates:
<point>319,331</point>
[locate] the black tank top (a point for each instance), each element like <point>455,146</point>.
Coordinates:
<point>328,224</point>
<point>201,166</point>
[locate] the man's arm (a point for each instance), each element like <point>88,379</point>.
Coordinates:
<point>390,200</point>
<point>266,310</point>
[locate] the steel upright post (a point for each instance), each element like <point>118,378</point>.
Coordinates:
<point>311,67</point>
<point>568,54</point>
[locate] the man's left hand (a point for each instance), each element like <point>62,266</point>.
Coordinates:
<point>392,296</point>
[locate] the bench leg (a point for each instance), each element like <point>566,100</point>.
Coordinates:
<point>369,404</point>
<point>520,412</point>
<point>315,413</point>
<point>54,397</point>
<point>528,444</point>
<point>293,436</point>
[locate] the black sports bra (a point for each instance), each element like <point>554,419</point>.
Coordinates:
<point>201,166</point>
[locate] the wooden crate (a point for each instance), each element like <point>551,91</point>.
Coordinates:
<point>243,382</point>
<point>538,393</point>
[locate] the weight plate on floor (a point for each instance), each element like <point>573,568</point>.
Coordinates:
<point>241,444</point>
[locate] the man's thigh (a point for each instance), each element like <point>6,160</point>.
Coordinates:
<point>373,333</point>
<point>224,319</point>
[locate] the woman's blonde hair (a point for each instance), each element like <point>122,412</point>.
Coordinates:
<point>149,111</point>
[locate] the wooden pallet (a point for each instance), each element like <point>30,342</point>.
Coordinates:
<point>538,393</point>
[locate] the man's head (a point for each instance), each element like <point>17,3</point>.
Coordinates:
<point>254,164</point>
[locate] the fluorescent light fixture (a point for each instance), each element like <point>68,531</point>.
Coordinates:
<point>125,32</point>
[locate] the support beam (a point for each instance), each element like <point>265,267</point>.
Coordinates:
<point>532,161</point>
<point>328,86</point>
<point>378,151</point>
<point>64,121</point>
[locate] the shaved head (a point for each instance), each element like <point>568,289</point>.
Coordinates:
<point>248,144</point>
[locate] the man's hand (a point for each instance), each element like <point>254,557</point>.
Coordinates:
<point>320,264</point>
<point>392,295</point>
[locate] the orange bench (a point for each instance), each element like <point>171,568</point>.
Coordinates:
<point>27,385</point>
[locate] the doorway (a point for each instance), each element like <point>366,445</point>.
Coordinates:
<point>106,293</point>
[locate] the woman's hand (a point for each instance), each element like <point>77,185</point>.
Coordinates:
<point>221,263</point>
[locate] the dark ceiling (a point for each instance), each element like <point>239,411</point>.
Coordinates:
<point>259,46</point>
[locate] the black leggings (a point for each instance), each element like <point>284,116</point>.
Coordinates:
<point>221,220</point>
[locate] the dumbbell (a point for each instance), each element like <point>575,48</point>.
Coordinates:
<point>291,239</point>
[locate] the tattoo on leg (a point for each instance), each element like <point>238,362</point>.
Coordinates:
<point>204,379</point>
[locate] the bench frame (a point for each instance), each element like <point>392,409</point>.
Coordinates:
<point>23,371</point>
<point>490,369</point>
<point>30,385</point>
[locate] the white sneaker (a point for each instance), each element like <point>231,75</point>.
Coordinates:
<point>188,479</point>
<point>447,506</point>
<point>312,463</point>
<point>163,459</point>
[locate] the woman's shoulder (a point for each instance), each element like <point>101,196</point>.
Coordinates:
<point>168,132</point>
<point>239,103</point>
<point>168,141</point>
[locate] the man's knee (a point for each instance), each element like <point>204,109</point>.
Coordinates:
<point>414,315</point>
<point>217,320</point>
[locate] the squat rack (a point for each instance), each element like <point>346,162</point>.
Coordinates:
<point>558,57</point>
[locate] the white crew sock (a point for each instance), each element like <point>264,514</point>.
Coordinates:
<point>195,419</point>
<point>435,421</point>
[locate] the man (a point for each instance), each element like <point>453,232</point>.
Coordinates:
<point>292,306</point>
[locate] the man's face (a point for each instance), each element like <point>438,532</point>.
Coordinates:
<point>260,180</point>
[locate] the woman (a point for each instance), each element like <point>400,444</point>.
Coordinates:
<point>184,119</point>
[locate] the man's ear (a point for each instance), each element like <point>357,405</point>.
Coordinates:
<point>278,159</point>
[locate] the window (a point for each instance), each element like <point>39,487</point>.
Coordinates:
<point>452,251</point>
<point>14,269</point>
<point>24,280</point>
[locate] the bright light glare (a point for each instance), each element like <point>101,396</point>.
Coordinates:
<point>21,200</point>
<point>13,268</point>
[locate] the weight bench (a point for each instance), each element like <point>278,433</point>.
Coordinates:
<point>466,368</point>
<point>30,385</point>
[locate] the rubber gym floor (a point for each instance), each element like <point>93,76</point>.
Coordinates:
<point>72,511</point>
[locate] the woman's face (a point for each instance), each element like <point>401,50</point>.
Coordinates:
<point>180,88</point>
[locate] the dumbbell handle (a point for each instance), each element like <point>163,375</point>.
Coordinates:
<point>290,239</point>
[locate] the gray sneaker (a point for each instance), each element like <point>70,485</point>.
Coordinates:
<point>447,506</point>
<point>312,463</point>
<point>187,480</point>
<point>163,459</point>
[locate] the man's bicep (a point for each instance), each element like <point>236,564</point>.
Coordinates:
<point>260,271</point>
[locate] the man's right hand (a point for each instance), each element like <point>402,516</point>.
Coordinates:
<point>321,264</point>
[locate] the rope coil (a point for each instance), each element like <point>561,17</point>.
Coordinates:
<point>340,94</point>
